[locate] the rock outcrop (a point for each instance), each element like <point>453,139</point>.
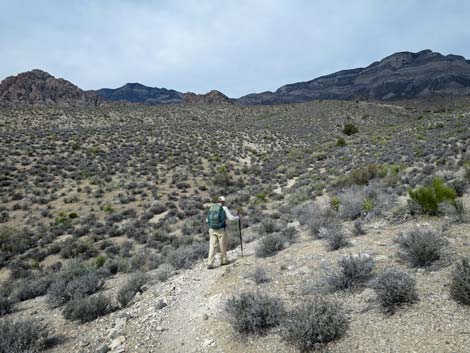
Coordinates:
<point>38,88</point>
<point>403,75</point>
<point>212,97</point>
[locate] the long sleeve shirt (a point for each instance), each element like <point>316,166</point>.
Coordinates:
<point>230,216</point>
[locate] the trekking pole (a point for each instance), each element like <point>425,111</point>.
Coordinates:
<point>240,231</point>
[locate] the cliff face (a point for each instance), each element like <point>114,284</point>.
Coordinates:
<point>402,75</point>
<point>38,88</point>
<point>138,93</point>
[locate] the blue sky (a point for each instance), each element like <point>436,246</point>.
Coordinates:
<point>237,47</point>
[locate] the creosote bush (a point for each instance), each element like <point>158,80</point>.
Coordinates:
<point>394,288</point>
<point>254,312</point>
<point>87,309</point>
<point>460,282</point>
<point>314,323</point>
<point>25,336</point>
<point>352,271</point>
<point>421,247</point>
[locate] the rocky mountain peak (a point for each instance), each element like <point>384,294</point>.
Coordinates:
<point>39,88</point>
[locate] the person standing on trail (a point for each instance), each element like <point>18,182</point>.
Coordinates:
<point>216,218</point>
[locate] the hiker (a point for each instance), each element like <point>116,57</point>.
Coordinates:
<point>216,217</point>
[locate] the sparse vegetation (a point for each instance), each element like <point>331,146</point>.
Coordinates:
<point>129,290</point>
<point>460,282</point>
<point>87,309</point>
<point>23,336</point>
<point>352,271</point>
<point>421,247</point>
<point>254,312</point>
<point>315,323</point>
<point>394,288</point>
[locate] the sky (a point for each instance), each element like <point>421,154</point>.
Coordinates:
<point>237,47</point>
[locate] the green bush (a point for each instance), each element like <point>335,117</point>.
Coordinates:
<point>25,336</point>
<point>254,312</point>
<point>350,129</point>
<point>460,282</point>
<point>428,198</point>
<point>87,309</point>
<point>341,142</point>
<point>393,288</point>
<point>314,323</point>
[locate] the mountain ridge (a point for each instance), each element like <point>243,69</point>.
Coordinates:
<point>400,76</point>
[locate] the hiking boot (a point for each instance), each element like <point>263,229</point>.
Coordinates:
<point>225,263</point>
<point>210,267</point>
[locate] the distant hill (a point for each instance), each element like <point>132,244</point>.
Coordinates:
<point>138,93</point>
<point>38,88</point>
<point>212,97</point>
<point>400,76</point>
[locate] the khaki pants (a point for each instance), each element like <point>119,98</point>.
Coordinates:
<point>217,236</point>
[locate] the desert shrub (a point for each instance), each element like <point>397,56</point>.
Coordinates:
<point>75,281</point>
<point>30,288</point>
<point>254,312</point>
<point>129,290</point>
<point>314,323</point>
<point>317,217</point>
<point>352,271</point>
<point>259,275</point>
<point>87,309</point>
<point>428,198</point>
<point>421,246</point>
<point>6,306</point>
<point>25,336</point>
<point>269,226</point>
<point>270,245</point>
<point>289,233</point>
<point>358,228</point>
<point>13,241</point>
<point>460,282</point>
<point>351,203</point>
<point>334,238</point>
<point>393,288</point>
<point>350,129</point>
<point>164,272</point>
<point>185,256</point>
<point>362,176</point>
<point>341,142</point>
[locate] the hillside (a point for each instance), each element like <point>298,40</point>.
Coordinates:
<point>403,75</point>
<point>38,88</point>
<point>103,237</point>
